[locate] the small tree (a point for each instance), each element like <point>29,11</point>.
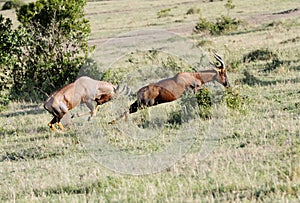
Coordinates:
<point>5,46</point>
<point>56,46</point>
<point>10,41</point>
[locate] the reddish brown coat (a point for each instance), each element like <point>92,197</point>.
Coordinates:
<point>83,90</point>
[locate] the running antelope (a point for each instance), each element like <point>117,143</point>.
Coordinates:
<point>83,90</point>
<point>170,89</point>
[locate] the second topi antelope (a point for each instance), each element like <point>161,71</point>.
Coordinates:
<point>171,89</point>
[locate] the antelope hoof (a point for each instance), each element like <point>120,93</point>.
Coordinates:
<point>61,126</point>
<point>75,115</point>
<point>112,122</point>
<point>52,127</point>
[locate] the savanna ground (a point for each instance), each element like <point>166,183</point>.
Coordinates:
<point>254,156</point>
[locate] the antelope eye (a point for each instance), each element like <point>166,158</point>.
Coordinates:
<point>218,64</point>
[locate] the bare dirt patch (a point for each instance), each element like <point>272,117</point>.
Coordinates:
<point>274,16</point>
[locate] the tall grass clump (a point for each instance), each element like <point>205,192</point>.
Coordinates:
<point>164,13</point>
<point>234,100</point>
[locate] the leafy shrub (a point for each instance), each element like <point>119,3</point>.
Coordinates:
<point>10,41</point>
<point>175,117</point>
<point>222,25</point>
<point>204,102</point>
<point>56,35</point>
<point>235,100</point>
<point>203,25</point>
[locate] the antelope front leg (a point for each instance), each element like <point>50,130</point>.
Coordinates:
<point>52,124</point>
<point>96,110</point>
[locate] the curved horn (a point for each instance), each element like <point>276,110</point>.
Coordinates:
<point>125,90</point>
<point>219,59</point>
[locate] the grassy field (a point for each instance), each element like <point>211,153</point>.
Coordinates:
<point>250,153</point>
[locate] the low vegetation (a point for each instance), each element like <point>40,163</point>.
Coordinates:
<point>241,144</point>
<point>222,24</point>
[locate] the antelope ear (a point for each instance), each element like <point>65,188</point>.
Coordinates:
<point>211,63</point>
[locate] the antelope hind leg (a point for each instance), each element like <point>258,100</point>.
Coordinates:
<point>80,114</point>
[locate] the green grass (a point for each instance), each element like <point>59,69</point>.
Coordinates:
<point>254,158</point>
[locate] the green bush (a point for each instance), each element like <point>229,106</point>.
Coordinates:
<point>56,46</point>
<point>235,100</point>
<point>204,102</point>
<point>10,41</point>
<point>203,25</point>
<point>223,24</point>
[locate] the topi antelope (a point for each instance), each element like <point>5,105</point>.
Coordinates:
<point>170,89</point>
<point>83,90</point>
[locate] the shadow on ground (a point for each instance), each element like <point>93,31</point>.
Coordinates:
<point>252,80</point>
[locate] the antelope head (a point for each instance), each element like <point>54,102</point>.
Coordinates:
<point>221,70</point>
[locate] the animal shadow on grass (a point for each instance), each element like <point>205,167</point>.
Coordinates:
<point>33,110</point>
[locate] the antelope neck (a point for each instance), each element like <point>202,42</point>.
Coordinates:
<point>207,75</point>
